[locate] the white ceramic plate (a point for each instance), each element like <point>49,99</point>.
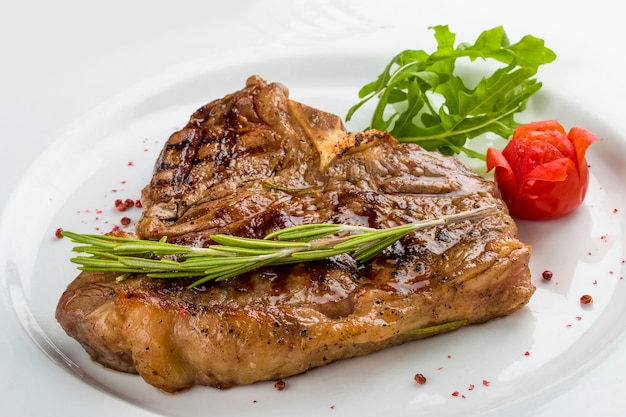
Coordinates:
<point>506,367</point>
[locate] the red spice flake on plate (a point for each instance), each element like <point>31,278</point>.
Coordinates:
<point>455,394</point>
<point>125,221</point>
<point>131,164</point>
<point>586,299</point>
<point>138,204</point>
<point>280,385</point>
<point>486,383</point>
<point>547,275</point>
<point>470,387</point>
<point>420,379</point>
<point>119,205</point>
<point>527,353</point>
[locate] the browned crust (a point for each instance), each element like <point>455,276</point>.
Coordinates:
<point>277,322</point>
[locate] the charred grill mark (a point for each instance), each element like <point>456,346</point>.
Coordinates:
<point>358,139</point>
<point>226,154</point>
<point>177,160</point>
<point>227,150</point>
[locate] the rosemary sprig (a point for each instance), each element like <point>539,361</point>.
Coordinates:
<point>233,255</point>
<point>294,191</point>
<point>438,327</point>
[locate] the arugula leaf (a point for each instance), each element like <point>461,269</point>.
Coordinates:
<point>422,99</point>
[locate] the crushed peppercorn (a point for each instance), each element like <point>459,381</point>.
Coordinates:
<point>420,379</point>
<point>119,205</point>
<point>586,299</point>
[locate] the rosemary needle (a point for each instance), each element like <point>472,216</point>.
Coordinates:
<point>234,255</point>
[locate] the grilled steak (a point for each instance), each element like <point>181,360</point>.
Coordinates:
<point>256,161</point>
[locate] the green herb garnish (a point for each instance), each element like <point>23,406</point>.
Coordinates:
<point>422,99</point>
<point>232,255</point>
<point>293,191</point>
<point>438,328</point>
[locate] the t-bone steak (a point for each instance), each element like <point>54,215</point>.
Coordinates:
<point>254,162</point>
